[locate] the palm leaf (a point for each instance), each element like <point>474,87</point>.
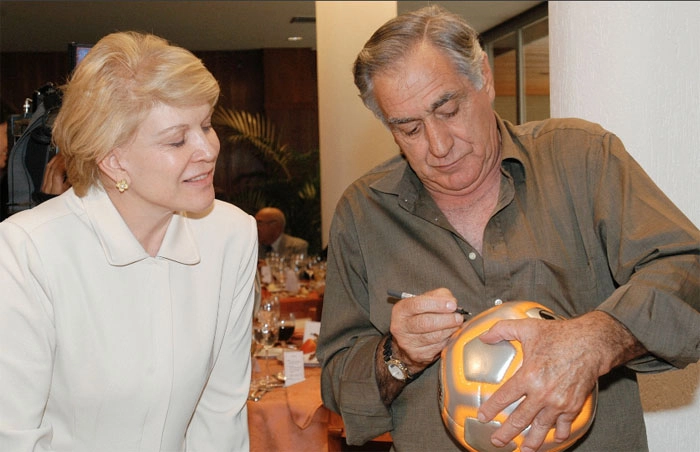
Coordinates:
<point>244,127</point>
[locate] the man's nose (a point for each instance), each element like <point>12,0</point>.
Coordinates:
<point>440,139</point>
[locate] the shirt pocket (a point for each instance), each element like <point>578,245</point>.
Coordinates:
<point>570,286</point>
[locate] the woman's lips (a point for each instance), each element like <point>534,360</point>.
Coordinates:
<point>200,177</point>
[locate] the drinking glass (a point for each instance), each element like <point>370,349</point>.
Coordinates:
<point>286,329</point>
<point>277,265</point>
<point>266,332</point>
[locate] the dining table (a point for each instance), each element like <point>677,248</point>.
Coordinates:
<point>291,418</point>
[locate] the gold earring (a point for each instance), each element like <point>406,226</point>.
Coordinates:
<point>122,185</point>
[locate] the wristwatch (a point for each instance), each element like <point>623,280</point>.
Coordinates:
<point>396,368</point>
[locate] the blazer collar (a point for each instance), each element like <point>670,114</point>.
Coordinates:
<point>118,242</point>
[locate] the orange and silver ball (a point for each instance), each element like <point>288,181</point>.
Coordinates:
<point>471,371</point>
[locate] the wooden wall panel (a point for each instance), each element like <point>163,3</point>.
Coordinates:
<point>291,95</point>
<point>22,73</point>
<point>239,74</point>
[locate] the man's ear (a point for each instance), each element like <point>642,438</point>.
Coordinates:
<point>488,77</point>
<point>111,167</point>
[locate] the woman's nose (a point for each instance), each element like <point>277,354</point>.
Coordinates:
<point>208,145</point>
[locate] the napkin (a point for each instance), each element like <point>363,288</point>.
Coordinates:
<point>311,330</point>
<point>304,399</point>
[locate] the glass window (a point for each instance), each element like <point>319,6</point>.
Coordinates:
<point>519,54</point>
<point>536,68</point>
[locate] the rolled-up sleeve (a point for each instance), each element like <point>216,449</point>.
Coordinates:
<point>653,252</point>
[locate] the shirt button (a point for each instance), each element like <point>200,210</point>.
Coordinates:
<point>497,302</point>
<point>472,256</point>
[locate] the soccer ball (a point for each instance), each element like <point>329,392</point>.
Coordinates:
<point>471,371</point>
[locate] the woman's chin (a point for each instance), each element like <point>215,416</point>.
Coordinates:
<point>201,205</point>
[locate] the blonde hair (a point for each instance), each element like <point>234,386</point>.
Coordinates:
<point>112,90</point>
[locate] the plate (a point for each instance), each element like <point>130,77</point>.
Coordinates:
<point>274,352</point>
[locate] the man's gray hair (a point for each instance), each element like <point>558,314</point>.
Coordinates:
<point>446,31</point>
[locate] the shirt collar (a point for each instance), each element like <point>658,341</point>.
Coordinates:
<point>118,242</point>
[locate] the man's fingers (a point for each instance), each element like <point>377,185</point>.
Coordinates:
<point>563,430</point>
<point>535,425</point>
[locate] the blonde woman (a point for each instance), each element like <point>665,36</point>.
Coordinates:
<point>126,301</point>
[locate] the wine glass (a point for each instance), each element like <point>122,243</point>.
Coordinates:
<point>266,332</point>
<point>286,329</point>
<point>277,264</point>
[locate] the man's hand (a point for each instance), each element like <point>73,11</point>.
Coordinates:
<point>421,327</point>
<point>562,360</point>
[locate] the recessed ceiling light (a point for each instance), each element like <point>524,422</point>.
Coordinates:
<point>294,38</point>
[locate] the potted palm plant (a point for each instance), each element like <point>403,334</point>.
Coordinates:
<point>255,169</point>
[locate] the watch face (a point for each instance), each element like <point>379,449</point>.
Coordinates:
<point>396,371</point>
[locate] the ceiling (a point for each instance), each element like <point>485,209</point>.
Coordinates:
<point>48,26</point>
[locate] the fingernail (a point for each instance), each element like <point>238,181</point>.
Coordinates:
<point>498,443</point>
<point>481,417</point>
<point>451,305</point>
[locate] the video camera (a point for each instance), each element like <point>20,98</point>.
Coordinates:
<point>31,148</point>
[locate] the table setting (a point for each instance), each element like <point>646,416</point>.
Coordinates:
<point>285,410</point>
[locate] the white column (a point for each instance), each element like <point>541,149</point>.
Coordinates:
<point>634,67</point>
<point>352,140</point>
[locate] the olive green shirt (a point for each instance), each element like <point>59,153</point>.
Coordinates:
<point>578,226</point>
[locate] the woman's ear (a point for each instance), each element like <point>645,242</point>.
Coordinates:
<point>111,167</point>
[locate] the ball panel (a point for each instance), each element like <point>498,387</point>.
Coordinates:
<point>487,363</point>
<point>478,435</point>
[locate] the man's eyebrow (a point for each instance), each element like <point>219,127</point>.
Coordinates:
<point>442,101</point>
<point>434,106</point>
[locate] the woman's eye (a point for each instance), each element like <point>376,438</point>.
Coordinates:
<point>178,144</point>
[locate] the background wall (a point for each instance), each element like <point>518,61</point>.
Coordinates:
<point>634,67</point>
<point>352,140</point>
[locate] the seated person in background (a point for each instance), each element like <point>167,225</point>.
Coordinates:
<point>271,236</point>
<point>126,301</point>
<point>480,211</point>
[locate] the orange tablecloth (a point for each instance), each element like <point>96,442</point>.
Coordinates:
<point>290,419</point>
